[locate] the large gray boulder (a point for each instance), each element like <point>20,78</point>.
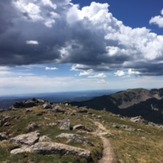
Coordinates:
<point>26,139</point>
<point>52,148</point>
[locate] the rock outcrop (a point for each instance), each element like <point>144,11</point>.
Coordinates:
<point>74,138</point>
<point>52,148</point>
<point>29,103</point>
<point>26,139</point>
<point>34,143</point>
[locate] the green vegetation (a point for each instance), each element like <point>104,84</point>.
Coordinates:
<point>132,142</point>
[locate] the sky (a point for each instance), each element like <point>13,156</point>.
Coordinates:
<point>73,45</point>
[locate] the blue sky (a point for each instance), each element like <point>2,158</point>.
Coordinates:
<point>71,45</point>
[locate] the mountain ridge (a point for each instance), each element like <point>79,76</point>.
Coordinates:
<point>131,102</point>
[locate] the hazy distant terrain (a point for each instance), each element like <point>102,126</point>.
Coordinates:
<point>7,101</point>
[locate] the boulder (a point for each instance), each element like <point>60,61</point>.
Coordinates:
<point>52,148</point>
<point>3,136</point>
<point>28,103</point>
<point>32,127</point>
<point>65,125</point>
<point>74,138</point>
<point>138,119</point>
<point>23,149</point>
<point>44,138</point>
<point>58,109</point>
<point>81,127</point>
<point>26,139</point>
<point>47,106</point>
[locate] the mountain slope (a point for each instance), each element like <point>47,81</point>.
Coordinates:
<point>132,102</point>
<point>48,132</point>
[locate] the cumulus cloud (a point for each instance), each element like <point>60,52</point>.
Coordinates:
<point>119,73</point>
<point>86,73</point>
<point>133,72</point>
<point>89,37</point>
<point>157,20</point>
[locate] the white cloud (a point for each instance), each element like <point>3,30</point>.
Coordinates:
<point>133,72</point>
<point>41,84</point>
<point>49,3</point>
<point>32,42</point>
<point>29,8</point>
<point>37,11</point>
<point>101,43</point>
<point>119,73</point>
<point>86,73</point>
<point>158,20</point>
<point>4,68</point>
<point>99,75</point>
<point>51,68</point>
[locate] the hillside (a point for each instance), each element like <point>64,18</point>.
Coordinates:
<point>132,102</point>
<point>38,131</point>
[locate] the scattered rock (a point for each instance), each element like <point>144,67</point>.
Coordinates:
<point>115,126</point>
<point>82,110</point>
<point>47,106</point>
<point>81,127</point>
<point>66,104</point>
<point>138,119</point>
<point>29,103</point>
<point>74,138</point>
<point>26,139</point>
<point>58,109</point>
<point>3,136</point>
<point>5,120</point>
<point>27,110</point>
<point>51,124</point>
<point>23,149</point>
<point>44,138</point>
<point>41,113</point>
<point>99,116</point>
<point>53,148</point>
<point>32,127</point>
<point>65,125</point>
<point>6,124</point>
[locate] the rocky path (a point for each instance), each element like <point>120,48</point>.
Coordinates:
<point>108,153</point>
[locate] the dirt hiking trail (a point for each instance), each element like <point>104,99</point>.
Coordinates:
<point>108,155</point>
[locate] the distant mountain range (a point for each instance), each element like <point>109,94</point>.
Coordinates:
<point>57,97</point>
<point>132,102</point>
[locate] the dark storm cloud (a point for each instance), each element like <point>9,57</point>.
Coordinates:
<point>48,31</point>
